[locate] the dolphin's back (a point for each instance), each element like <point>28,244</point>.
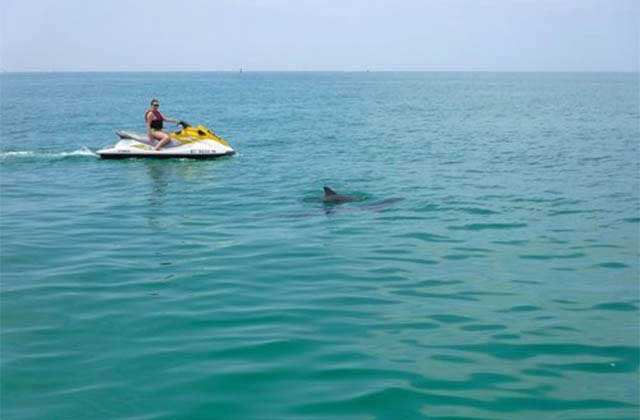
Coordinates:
<point>331,196</point>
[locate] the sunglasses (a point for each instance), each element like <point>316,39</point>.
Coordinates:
<point>155,105</point>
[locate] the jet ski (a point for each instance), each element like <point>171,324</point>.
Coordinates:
<point>189,142</point>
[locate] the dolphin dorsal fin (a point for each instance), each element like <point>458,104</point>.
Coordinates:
<point>329,191</point>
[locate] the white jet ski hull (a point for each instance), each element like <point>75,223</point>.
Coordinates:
<point>132,145</point>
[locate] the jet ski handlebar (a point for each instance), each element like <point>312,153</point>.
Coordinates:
<point>184,125</point>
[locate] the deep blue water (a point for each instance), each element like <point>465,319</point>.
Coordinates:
<point>491,271</point>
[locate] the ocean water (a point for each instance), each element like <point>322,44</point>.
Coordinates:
<point>490,271</point>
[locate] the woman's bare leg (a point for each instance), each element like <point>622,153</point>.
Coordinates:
<point>163,137</point>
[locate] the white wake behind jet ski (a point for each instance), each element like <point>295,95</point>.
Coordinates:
<point>190,142</point>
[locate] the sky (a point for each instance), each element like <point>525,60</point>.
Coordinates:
<point>319,35</point>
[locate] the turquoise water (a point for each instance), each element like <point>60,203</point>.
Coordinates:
<point>491,271</point>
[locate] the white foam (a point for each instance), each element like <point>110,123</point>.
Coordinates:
<point>84,151</point>
<point>17,154</point>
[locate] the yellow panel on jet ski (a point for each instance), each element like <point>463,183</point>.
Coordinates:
<point>192,134</point>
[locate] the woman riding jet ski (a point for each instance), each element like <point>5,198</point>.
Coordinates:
<point>154,120</point>
<point>189,142</point>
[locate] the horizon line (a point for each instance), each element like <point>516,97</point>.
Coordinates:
<point>242,70</point>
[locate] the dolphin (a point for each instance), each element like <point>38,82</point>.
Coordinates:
<point>330,196</point>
